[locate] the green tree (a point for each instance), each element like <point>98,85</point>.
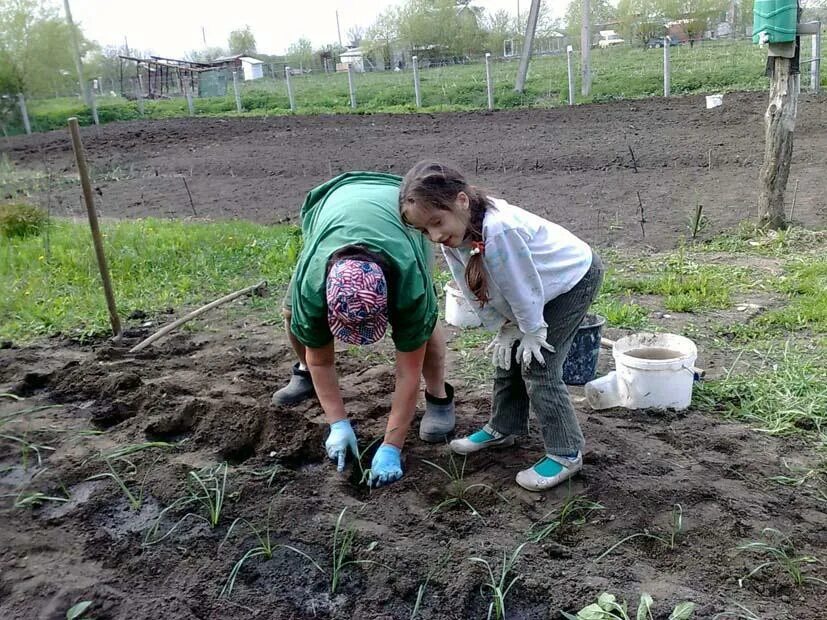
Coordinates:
<point>745,15</point>
<point>35,47</point>
<point>300,54</point>
<point>381,36</point>
<point>242,41</point>
<point>499,27</point>
<point>641,19</point>
<point>602,12</point>
<point>208,54</point>
<point>441,27</point>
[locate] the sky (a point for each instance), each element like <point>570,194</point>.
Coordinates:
<point>174,27</point>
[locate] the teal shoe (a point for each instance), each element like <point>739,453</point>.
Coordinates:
<point>481,440</point>
<point>549,471</point>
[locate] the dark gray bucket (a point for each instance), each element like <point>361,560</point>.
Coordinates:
<point>580,365</point>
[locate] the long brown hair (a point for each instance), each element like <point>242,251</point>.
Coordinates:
<point>432,185</point>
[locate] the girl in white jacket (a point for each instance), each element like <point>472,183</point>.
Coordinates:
<point>532,282</point>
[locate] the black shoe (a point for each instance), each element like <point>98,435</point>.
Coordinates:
<point>299,389</point>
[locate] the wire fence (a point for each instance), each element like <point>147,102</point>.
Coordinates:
<point>618,73</point>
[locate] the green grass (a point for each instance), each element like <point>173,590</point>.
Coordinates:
<point>52,285</point>
<point>619,314</point>
<point>684,284</point>
<point>620,73</point>
<point>805,284</point>
<point>784,392</point>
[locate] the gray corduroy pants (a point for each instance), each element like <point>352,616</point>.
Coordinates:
<point>540,390</point>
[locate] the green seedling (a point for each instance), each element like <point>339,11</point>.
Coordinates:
<point>420,592</point>
<point>135,500</point>
<point>698,222</point>
<point>343,536</point>
<point>500,586</point>
<point>270,473</point>
<point>77,611</point>
<point>264,548</point>
<point>17,414</point>
<point>34,499</point>
<point>669,541</point>
<point>782,554</point>
<point>9,395</point>
<point>365,471</point>
<point>124,451</point>
<point>574,512</point>
<point>458,488</point>
<point>207,489</point>
<point>741,614</point>
<point>608,608</point>
<point>27,448</point>
<point>815,477</point>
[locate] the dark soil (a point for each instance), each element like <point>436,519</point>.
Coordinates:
<point>207,391</point>
<point>573,165</point>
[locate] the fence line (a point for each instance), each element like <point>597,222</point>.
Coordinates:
<point>617,73</point>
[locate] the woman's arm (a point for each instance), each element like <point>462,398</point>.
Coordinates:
<point>320,363</point>
<point>403,405</point>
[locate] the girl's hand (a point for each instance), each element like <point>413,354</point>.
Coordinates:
<point>531,347</point>
<point>502,345</point>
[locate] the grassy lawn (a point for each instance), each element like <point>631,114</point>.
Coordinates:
<point>52,282</point>
<point>619,73</point>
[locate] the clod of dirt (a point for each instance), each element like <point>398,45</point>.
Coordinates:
<point>32,381</point>
<point>113,413</point>
<point>173,425</point>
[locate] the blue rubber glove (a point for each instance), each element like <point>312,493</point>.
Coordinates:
<point>341,439</point>
<point>386,466</point>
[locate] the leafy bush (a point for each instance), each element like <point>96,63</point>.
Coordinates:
<point>21,220</point>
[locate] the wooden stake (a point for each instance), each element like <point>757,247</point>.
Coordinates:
<point>198,312</point>
<point>634,161</point>
<point>795,195</point>
<point>187,187</point>
<point>83,172</point>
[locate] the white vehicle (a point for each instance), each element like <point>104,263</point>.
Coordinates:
<point>609,38</point>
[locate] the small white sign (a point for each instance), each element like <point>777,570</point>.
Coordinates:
<point>569,49</point>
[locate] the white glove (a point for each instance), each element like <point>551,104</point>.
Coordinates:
<point>530,347</point>
<point>500,348</point>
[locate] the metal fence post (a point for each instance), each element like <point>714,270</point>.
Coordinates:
<point>139,97</point>
<point>21,100</point>
<point>350,85</point>
<point>570,69</point>
<point>190,104</point>
<point>94,102</point>
<point>667,69</point>
<point>417,92</point>
<point>815,65</point>
<point>489,85</point>
<point>289,89</point>
<point>237,94</point>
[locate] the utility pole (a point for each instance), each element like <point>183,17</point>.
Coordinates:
<point>204,36</point>
<point>338,29</point>
<point>531,26</point>
<point>586,50</point>
<point>84,87</point>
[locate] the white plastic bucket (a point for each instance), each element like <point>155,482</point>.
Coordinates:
<point>458,310</point>
<point>653,371</point>
<point>713,101</point>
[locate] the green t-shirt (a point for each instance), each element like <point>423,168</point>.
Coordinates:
<point>362,208</point>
